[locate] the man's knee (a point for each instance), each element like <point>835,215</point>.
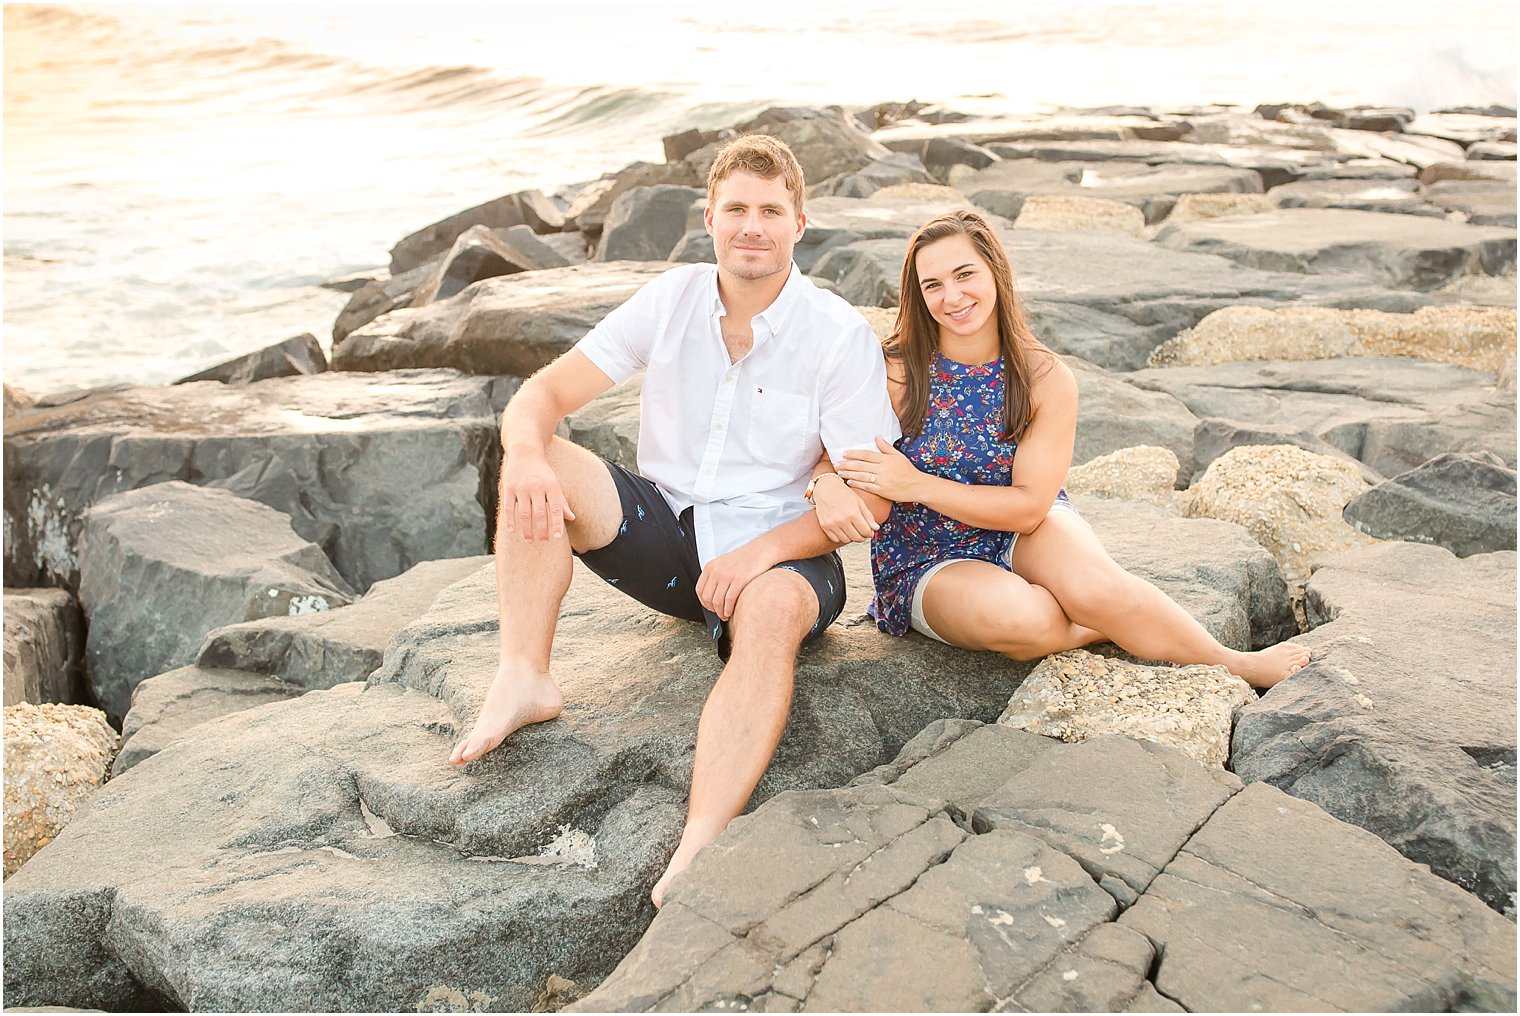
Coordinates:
<point>778,606</point>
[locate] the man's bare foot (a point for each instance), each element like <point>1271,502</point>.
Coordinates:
<point>692,840</point>
<point>516,699</point>
<point>1266,667</point>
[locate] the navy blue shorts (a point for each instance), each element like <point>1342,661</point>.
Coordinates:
<point>653,559</point>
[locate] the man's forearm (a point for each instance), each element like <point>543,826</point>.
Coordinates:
<point>529,421</point>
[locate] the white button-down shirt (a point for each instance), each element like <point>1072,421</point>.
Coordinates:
<point>738,441</point>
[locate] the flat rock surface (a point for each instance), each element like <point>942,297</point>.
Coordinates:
<point>161,566</point>
<point>44,646</point>
<point>380,471</point>
<point>167,706</point>
<point>909,893</point>
<point>1392,413</point>
<point>1404,720</point>
<point>1396,251</point>
<point>509,325</point>
<point>337,812</point>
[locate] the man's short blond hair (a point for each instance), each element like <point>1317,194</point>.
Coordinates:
<point>762,155</point>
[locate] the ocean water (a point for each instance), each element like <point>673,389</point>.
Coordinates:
<point>179,180</point>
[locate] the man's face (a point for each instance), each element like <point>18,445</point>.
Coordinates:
<point>754,225</point>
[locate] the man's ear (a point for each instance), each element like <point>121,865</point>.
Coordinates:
<point>707,219</point>
<point>801,227</point>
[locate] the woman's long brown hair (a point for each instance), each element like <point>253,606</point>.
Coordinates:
<point>915,336</point>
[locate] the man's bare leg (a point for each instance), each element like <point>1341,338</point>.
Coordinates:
<point>531,580</point>
<point>746,711</point>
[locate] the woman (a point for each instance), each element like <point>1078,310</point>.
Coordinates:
<point>983,549</point>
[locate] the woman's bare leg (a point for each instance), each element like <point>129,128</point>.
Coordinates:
<point>1064,556</point>
<point>977,605</point>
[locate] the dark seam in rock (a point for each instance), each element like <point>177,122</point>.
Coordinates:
<point>1325,1006</point>
<point>732,938</point>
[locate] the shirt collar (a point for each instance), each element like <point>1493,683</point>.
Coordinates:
<point>779,309</point>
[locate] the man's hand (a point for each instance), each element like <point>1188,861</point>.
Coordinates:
<point>533,503</point>
<point>725,577</point>
<point>842,516</point>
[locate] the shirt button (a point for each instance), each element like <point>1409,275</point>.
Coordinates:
<point>728,379</point>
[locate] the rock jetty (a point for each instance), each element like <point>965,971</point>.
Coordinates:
<point>1293,332</point>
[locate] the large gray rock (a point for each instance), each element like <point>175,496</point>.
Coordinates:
<point>1393,196</point>
<point>161,566</point>
<point>1214,435</point>
<point>892,170</point>
<point>380,471</point>
<point>825,143</point>
<point>1275,906</point>
<point>381,296</point>
<point>1112,414</point>
<point>299,355</point>
<point>590,207</point>
<point>867,273</point>
<point>1403,251</point>
<point>1483,202</point>
<point>524,208</point>
<point>240,666</point>
<point>1463,502</point>
<point>1404,721</point>
<point>1003,186</point>
<point>44,647</point>
<point>168,706</point>
<point>340,810</point>
<point>511,325</point>
<point>609,424</point>
<point>1393,413</point>
<point>646,223</point>
<point>882,896</point>
<point>1274,165</point>
<point>484,253</point>
<point>939,155</point>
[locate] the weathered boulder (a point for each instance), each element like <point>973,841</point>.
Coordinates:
<point>1404,721</point>
<point>44,647</point>
<point>524,208</point>
<point>1314,915</point>
<point>168,706</point>
<point>1289,499</point>
<point>1214,206</point>
<point>1392,413</point>
<point>696,245</point>
<point>646,223</point>
<point>484,253</point>
<point>867,273</point>
<point>1463,502</point>
<point>1471,169</point>
<point>56,755</point>
<point>1112,415</point>
<point>340,809</point>
<point>510,325</point>
<point>1502,151</point>
<point>17,399</point>
<point>939,155</point>
<point>590,207</point>
<point>244,665</point>
<point>1051,213</point>
<point>1077,696</point>
<point>380,471</point>
<point>882,896</point>
<point>1002,187</point>
<point>1482,338</point>
<point>609,424</point>
<point>826,143</point>
<point>299,355</point>
<point>1140,473</point>
<point>1214,435</point>
<point>1273,165</point>
<point>895,169</point>
<point>1396,251</point>
<point>1485,203</point>
<point>1394,196</point>
<point>382,296</point>
<point>161,566</point>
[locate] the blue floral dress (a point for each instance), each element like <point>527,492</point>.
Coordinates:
<point>961,440</point>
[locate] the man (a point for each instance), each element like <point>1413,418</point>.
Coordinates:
<point>750,373</point>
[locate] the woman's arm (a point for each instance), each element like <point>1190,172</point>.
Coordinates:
<point>1039,467</point>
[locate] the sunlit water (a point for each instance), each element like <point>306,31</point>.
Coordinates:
<point>179,180</point>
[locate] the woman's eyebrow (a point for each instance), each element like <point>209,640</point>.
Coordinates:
<point>930,278</point>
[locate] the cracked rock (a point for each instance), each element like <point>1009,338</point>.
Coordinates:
<point>1404,720</point>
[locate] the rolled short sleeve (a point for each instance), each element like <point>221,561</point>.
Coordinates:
<point>621,343</point>
<point>853,403</point>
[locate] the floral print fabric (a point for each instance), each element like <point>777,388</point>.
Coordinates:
<point>961,440</point>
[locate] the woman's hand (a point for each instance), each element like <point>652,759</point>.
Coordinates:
<point>886,473</point>
<point>841,514</point>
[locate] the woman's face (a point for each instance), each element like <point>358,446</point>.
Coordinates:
<point>957,287</point>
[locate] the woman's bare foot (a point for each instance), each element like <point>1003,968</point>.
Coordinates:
<point>1265,667</point>
<point>692,840</point>
<point>516,699</point>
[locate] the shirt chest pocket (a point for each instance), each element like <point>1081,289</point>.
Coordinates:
<point>780,424</point>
